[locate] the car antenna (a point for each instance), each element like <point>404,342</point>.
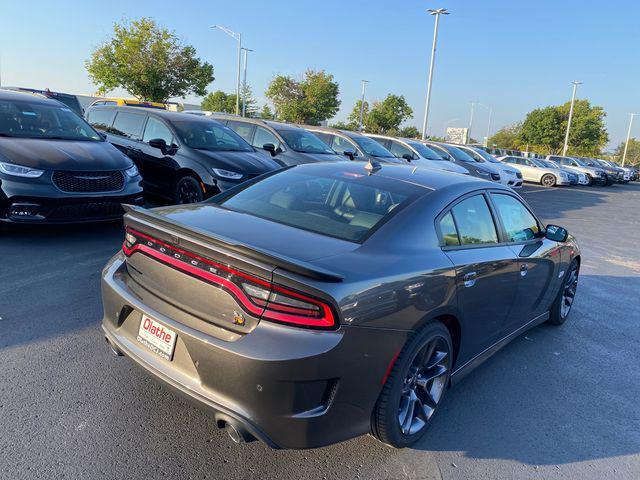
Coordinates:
<point>372,166</point>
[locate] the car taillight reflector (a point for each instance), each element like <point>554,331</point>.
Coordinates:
<point>255,295</point>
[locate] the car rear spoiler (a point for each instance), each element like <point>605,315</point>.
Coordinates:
<point>292,265</point>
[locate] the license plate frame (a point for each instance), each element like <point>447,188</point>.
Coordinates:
<point>157,337</point>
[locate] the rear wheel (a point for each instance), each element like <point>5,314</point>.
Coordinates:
<point>548,180</point>
<point>415,388</point>
<point>564,301</point>
<point>188,190</point>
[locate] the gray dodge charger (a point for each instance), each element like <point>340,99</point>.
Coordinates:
<point>325,301</point>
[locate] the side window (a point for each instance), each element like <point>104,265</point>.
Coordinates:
<point>519,223</point>
<point>156,129</point>
<point>100,119</point>
<point>264,136</point>
<point>448,230</point>
<point>245,130</point>
<point>340,145</point>
<point>399,150</point>
<point>474,221</point>
<point>128,125</point>
<point>382,141</point>
<point>325,137</point>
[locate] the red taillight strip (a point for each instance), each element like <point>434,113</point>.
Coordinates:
<point>326,320</point>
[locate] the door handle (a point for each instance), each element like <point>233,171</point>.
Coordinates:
<point>469,279</point>
<point>524,269</point>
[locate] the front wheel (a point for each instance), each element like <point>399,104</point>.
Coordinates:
<point>415,387</point>
<point>589,180</point>
<point>548,180</point>
<point>564,301</point>
<point>188,190</point>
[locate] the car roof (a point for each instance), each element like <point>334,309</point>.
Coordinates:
<point>346,133</point>
<point>32,97</point>
<point>157,112</point>
<point>427,178</point>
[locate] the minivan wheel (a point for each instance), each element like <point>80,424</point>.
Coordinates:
<point>188,190</point>
<point>564,301</point>
<point>548,180</point>
<point>415,387</point>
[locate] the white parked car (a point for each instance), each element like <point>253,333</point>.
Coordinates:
<point>416,153</point>
<point>533,171</point>
<point>508,175</point>
<point>582,177</point>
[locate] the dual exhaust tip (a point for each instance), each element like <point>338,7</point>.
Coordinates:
<point>237,433</point>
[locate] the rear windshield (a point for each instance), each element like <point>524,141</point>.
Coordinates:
<point>458,154</point>
<point>373,148</point>
<point>344,205</point>
<point>20,118</point>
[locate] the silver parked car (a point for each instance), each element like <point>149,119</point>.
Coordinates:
<point>580,178</point>
<point>416,153</point>
<point>508,175</point>
<point>354,145</point>
<point>594,174</point>
<point>534,171</point>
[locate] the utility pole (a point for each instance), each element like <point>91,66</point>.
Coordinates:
<point>626,145</point>
<point>238,37</point>
<point>575,84</point>
<point>473,104</point>
<point>436,13</point>
<point>244,81</point>
<point>364,85</point>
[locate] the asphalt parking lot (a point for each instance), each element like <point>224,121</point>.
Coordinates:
<point>555,403</point>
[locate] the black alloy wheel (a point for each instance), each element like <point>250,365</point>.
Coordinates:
<point>188,190</point>
<point>415,387</point>
<point>566,296</point>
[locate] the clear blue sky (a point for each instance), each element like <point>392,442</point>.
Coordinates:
<point>511,55</point>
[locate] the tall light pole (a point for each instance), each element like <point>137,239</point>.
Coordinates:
<point>437,13</point>
<point>473,104</point>
<point>237,36</point>
<point>626,145</point>
<point>490,109</point>
<point>244,81</point>
<point>575,84</point>
<point>364,85</point>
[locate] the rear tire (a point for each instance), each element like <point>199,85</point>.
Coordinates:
<point>415,387</point>
<point>548,180</point>
<point>561,307</point>
<point>188,190</point>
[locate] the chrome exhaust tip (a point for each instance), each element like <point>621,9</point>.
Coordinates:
<point>234,434</point>
<point>115,350</point>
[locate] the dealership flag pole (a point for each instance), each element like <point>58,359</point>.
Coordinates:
<point>575,84</point>
<point>437,13</point>
<point>626,144</point>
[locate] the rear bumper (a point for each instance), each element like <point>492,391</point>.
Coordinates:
<point>289,387</point>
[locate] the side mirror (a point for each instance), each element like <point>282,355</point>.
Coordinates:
<point>103,135</point>
<point>158,143</point>
<point>271,148</point>
<point>556,233</point>
<point>349,153</point>
<point>408,157</point>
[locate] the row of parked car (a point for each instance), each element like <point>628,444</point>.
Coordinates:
<point>57,167</point>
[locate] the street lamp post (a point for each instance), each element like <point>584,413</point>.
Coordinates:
<point>244,81</point>
<point>626,145</point>
<point>237,36</point>
<point>473,104</point>
<point>437,13</point>
<point>575,84</point>
<point>364,84</point>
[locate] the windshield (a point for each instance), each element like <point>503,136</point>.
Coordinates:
<point>301,141</point>
<point>547,163</point>
<point>318,202</point>
<point>458,154</point>
<point>24,119</point>
<point>555,164</point>
<point>424,151</point>
<point>580,162</point>
<point>371,147</point>
<point>537,162</point>
<point>487,156</point>
<point>204,134</point>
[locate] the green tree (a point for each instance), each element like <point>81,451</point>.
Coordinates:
<point>409,132</point>
<point>506,137</point>
<point>544,129</point>
<point>219,101</point>
<point>251,105</point>
<point>383,117</point>
<point>266,113</point>
<point>344,126</point>
<point>149,62</point>
<point>308,101</point>
<point>353,120</point>
<point>633,152</point>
